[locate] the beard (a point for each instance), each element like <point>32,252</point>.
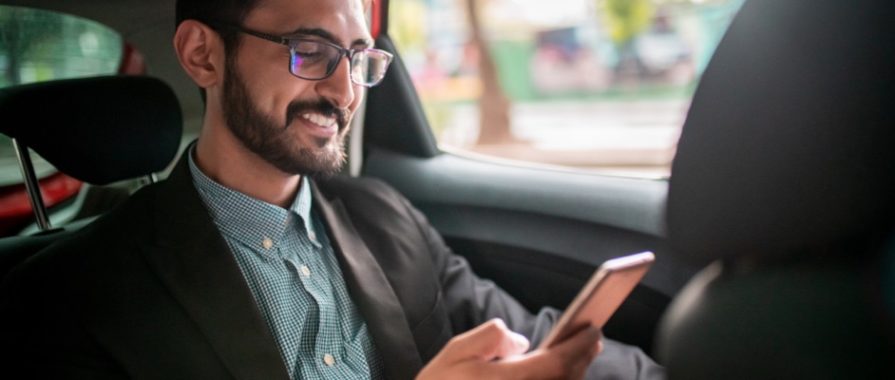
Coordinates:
<point>271,141</point>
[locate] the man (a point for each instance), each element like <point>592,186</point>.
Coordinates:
<point>239,265</point>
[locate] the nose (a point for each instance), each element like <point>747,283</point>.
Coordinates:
<point>338,87</point>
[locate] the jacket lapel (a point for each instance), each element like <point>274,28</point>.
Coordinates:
<point>371,292</point>
<point>193,261</point>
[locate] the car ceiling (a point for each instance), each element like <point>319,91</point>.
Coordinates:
<point>149,26</point>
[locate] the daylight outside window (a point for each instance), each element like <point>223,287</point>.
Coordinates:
<point>38,45</point>
<point>592,84</point>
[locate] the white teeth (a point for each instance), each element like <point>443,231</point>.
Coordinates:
<point>320,120</point>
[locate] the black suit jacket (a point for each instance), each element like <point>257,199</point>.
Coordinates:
<point>151,290</point>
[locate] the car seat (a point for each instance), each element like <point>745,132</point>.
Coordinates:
<point>784,176</point>
<point>99,130</point>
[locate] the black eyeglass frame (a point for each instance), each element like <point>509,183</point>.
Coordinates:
<point>289,42</point>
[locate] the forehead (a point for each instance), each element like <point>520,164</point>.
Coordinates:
<point>344,19</point>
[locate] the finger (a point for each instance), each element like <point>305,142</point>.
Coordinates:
<point>511,343</point>
<point>568,359</point>
<point>586,342</point>
<point>490,340</point>
<point>581,352</point>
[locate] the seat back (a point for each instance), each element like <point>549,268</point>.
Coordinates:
<point>99,130</point>
<point>785,176</point>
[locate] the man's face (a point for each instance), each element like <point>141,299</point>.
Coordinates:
<point>298,126</point>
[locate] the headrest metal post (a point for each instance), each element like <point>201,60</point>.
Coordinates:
<point>32,186</point>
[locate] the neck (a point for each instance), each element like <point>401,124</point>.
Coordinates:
<point>223,158</point>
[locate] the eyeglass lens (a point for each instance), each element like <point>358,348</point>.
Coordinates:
<point>368,67</point>
<point>314,60</point>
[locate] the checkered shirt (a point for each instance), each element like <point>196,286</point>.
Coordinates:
<point>289,265</point>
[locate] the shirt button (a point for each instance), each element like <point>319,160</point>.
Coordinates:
<point>305,271</point>
<point>267,243</point>
<point>329,360</point>
<point>312,235</point>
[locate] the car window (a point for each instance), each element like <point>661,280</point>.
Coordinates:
<point>592,84</point>
<point>39,45</point>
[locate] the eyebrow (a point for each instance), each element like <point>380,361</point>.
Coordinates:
<point>326,35</point>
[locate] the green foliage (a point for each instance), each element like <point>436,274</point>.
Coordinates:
<point>626,18</point>
<point>407,24</point>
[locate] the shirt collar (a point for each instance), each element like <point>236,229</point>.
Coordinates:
<point>253,222</point>
<point>302,207</point>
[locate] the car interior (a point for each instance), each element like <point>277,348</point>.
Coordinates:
<point>95,146</point>
<point>774,236</point>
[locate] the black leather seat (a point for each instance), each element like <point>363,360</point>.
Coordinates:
<point>785,176</point>
<point>99,130</point>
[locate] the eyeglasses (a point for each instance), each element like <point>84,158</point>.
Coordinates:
<point>316,60</point>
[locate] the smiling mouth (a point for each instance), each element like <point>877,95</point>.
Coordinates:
<point>320,127</point>
<point>320,120</point>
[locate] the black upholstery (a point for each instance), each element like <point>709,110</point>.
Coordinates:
<point>99,130</point>
<point>789,138</point>
<point>785,174</point>
<point>394,109</point>
<point>16,249</point>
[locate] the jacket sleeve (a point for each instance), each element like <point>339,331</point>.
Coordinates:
<point>471,300</point>
<point>42,341</point>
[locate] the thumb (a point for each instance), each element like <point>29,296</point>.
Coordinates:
<point>567,360</point>
<point>488,341</point>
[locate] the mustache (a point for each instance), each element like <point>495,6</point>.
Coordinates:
<point>323,107</point>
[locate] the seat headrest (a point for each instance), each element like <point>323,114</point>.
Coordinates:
<point>789,139</point>
<point>99,130</point>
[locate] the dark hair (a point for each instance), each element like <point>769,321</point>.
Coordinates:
<point>216,12</point>
<point>213,13</point>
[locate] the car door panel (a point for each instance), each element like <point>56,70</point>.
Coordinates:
<point>540,233</point>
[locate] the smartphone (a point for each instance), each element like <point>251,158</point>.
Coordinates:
<point>603,294</point>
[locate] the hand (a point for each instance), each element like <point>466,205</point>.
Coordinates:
<point>492,351</point>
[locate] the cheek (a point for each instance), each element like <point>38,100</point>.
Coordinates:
<point>271,87</point>
<point>274,97</point>
<point>359,93</point>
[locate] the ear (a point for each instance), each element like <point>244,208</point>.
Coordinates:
<point>200,51</point>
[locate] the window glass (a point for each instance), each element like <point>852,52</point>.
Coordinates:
<point>38,45</point>
<point>592,84</point>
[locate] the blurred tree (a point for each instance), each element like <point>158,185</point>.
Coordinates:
<point>494,107</point>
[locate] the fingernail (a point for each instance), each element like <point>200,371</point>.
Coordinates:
<point>520,341</point>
